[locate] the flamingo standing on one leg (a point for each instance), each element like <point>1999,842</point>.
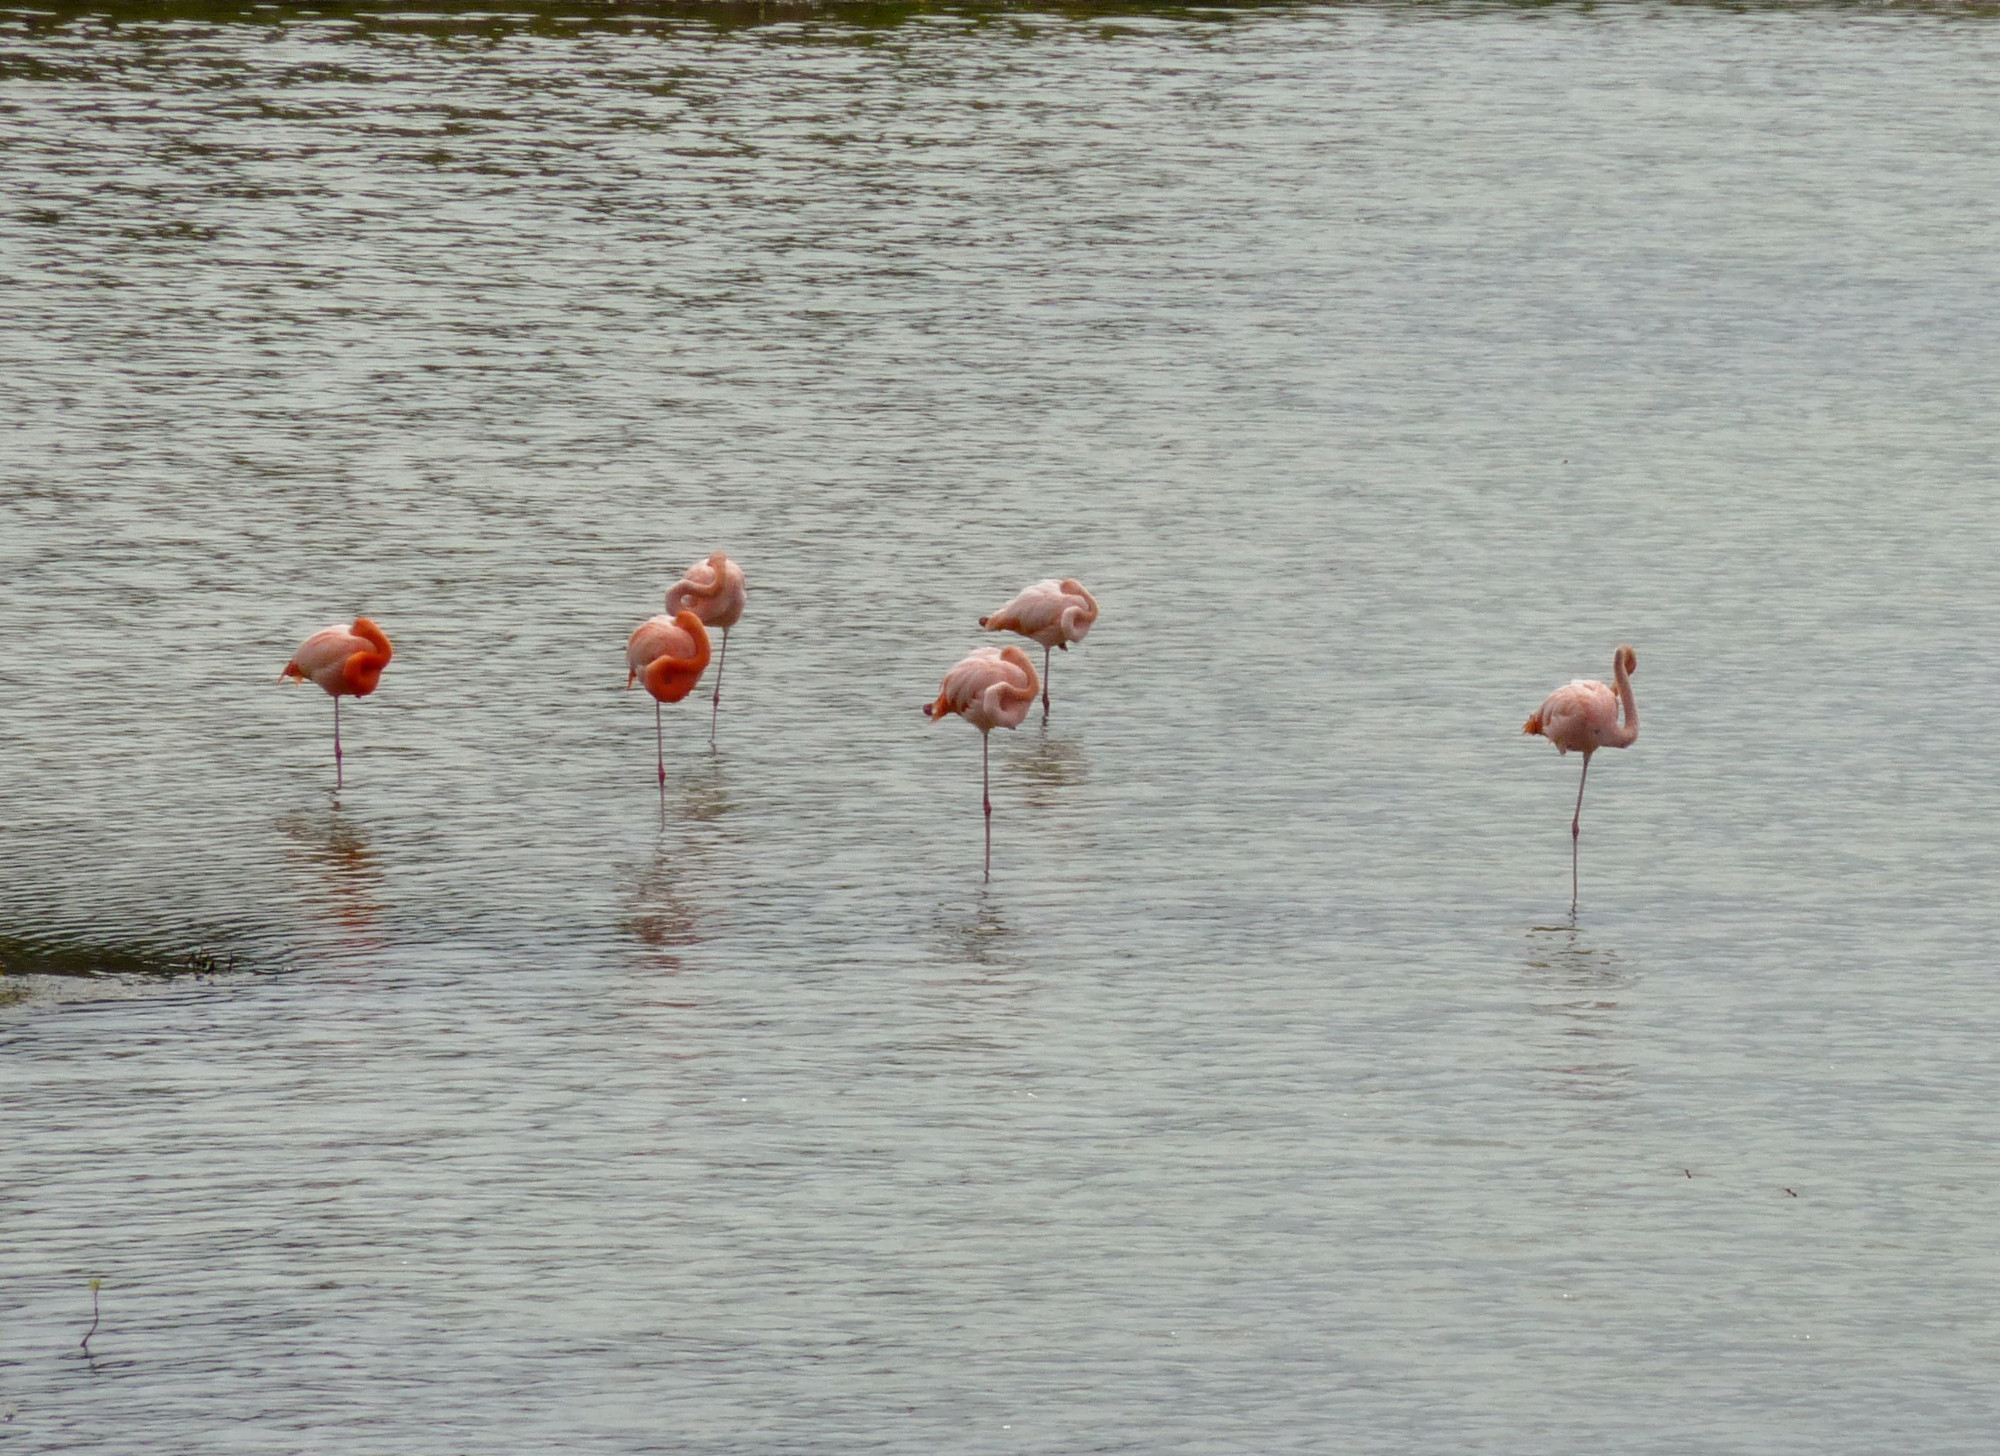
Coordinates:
<point>1584,717</point>
<point>347,662</point>
<point>713,591</point>
<point>669,654</point>
<point>990,689</point>
<point>1053,613</point>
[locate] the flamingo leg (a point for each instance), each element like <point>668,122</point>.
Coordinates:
<point>1576,829</point>
<point>1045,682</point>
<point>337,780</point>
<point>986,795</point>
<point>715,707</point>
<point>660,740</point>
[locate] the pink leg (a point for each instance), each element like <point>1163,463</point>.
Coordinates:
<point>337,779</point>
<point>716,705</point>
<point>1575,829</point>
<point>660,739</point>
<point>1045,683</point>
<point>986,795</point>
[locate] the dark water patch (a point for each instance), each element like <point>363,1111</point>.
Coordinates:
<point>561,20</point>
<point>95,960</point>
<point>850,19</point>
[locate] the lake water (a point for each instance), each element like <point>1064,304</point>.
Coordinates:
<point>1379,367</point>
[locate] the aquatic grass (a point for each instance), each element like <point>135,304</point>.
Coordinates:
<point>456,16</point>
<point>566,16</point>
<point>91,960</point>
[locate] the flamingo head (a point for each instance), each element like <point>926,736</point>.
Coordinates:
<point>1628,659</point>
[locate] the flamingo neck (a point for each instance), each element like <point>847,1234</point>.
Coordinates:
<point>667,672</point>
<point>373,634</point>
<point>1029,691</point>
<point>1627,731</point>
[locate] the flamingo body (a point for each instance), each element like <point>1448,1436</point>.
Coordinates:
<point>669,654</point>
<point>991,688</point>
<point>1052,613</point>
<point>712,590</point>
<point>344,661</point>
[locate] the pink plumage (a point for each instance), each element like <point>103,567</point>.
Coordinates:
<point>669,654</point>
<point>1052,613</point>
<point>344,662</point>
<point>713,591</point>
<point>1582,717</point>
<point>990,688</point>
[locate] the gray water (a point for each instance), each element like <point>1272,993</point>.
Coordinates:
<point>1380,368</point>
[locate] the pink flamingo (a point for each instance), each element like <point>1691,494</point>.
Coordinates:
<point>1053,613</point>
<point>347,662</point>
<point>713,591</point>
<point>669,654</point>
<point>1584,717</point>
<point>990,689</point>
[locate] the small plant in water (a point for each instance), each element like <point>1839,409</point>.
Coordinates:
<point>94,1285</point>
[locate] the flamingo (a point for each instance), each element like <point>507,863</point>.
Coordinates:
<point>991,688</point>
<point>1053,613</point>
<point>670,654</point>
<point>1583,716</point>
<point>713,591</point>
<point>347,662</point>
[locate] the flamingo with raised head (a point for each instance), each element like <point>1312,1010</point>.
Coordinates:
<point>1582,717</point>
<point>991,688</point>
<point>1053,613</point>
<point>347,662</point>
<point>668,654</point>
<point>713,591</point>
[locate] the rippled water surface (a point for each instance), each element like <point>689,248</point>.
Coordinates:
<point>1379,368</point>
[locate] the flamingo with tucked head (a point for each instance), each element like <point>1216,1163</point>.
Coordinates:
<point>990,689</point>
<point>713,591</point>
<point>347,662</point>
<point>1053,613</point>
<point>1582,717</point>
<point>669,654</point>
